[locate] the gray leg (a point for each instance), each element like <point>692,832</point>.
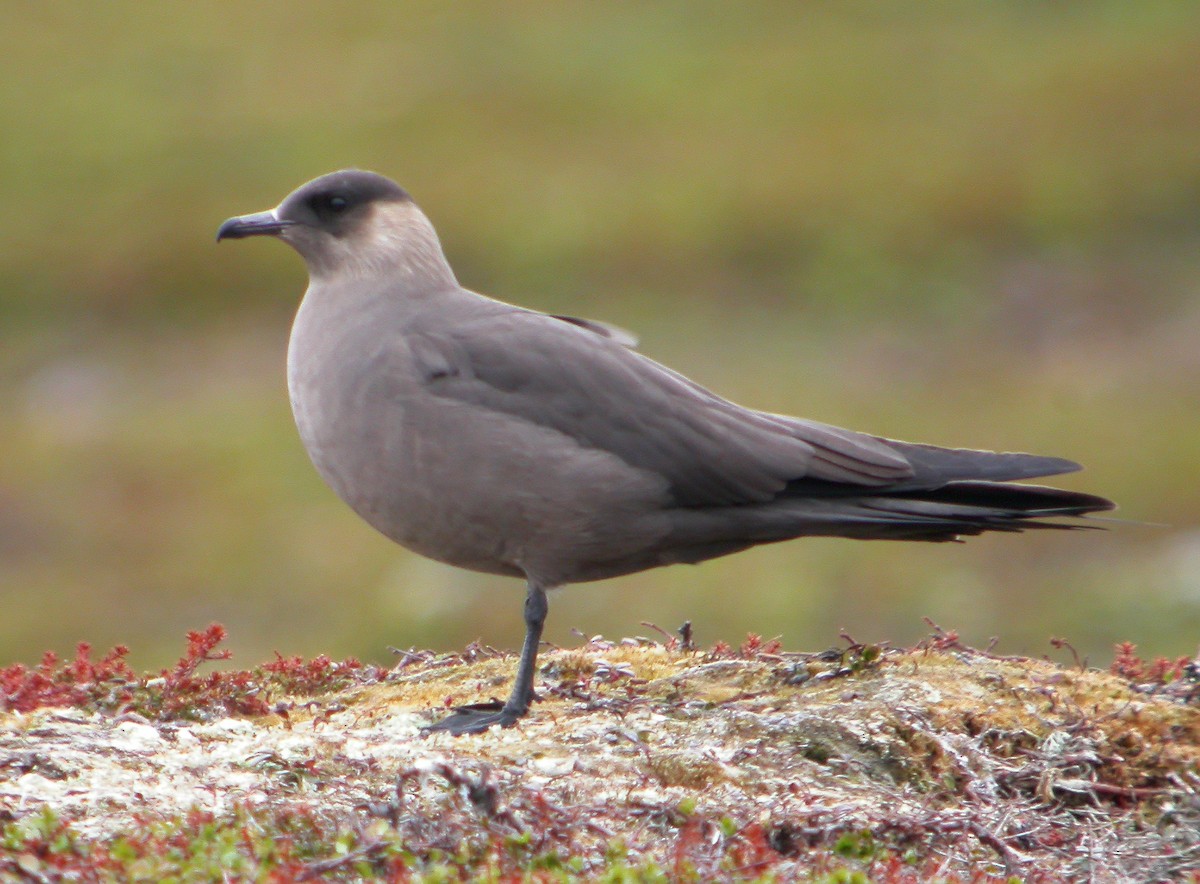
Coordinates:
<point>478,717</point>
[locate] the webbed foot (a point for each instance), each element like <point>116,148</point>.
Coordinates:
<point>474,718</point>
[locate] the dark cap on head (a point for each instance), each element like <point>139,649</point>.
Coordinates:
<point>333,203</point>
<point>340,193</point>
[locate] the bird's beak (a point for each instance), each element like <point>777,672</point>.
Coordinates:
<point>258,224</point>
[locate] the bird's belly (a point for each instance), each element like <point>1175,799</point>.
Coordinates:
<point>479,489</point>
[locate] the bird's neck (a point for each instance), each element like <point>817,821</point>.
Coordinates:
<point>403,247</point>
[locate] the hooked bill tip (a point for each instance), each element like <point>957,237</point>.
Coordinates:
<point>258,224</point>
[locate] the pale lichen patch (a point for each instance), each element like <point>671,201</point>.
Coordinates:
<point>919,741</point>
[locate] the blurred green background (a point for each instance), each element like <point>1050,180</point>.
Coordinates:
<point>973,224</point>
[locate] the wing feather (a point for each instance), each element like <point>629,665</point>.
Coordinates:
<point>536,368</point>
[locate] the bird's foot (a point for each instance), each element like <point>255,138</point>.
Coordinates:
<point>474,718</point>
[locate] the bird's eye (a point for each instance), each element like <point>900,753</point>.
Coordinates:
<point>338,203</point>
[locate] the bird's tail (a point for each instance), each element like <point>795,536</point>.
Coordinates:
<point>946,513</point>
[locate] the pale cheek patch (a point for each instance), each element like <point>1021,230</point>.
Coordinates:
<point>395,238</point>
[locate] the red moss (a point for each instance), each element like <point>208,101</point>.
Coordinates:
<point>179,691</point>
<point>79,682</point>
<point>297,676</point>
<point>755,646</point>
<point>1128,665</point>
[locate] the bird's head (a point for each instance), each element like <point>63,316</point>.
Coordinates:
<point>349,223</point>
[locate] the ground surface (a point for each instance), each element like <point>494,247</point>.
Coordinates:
<point>643,760</point>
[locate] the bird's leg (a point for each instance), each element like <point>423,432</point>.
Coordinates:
<point>478,717</point>
<point>536,607</point>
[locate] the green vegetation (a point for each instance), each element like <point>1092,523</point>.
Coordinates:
<point>269,847</point>
<point>971,224</point>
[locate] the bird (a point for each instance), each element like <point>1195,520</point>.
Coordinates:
<point>545,447</point>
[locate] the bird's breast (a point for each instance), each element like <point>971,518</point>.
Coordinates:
<point>456,480</point>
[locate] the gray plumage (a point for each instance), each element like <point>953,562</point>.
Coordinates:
<point>504,440</point>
